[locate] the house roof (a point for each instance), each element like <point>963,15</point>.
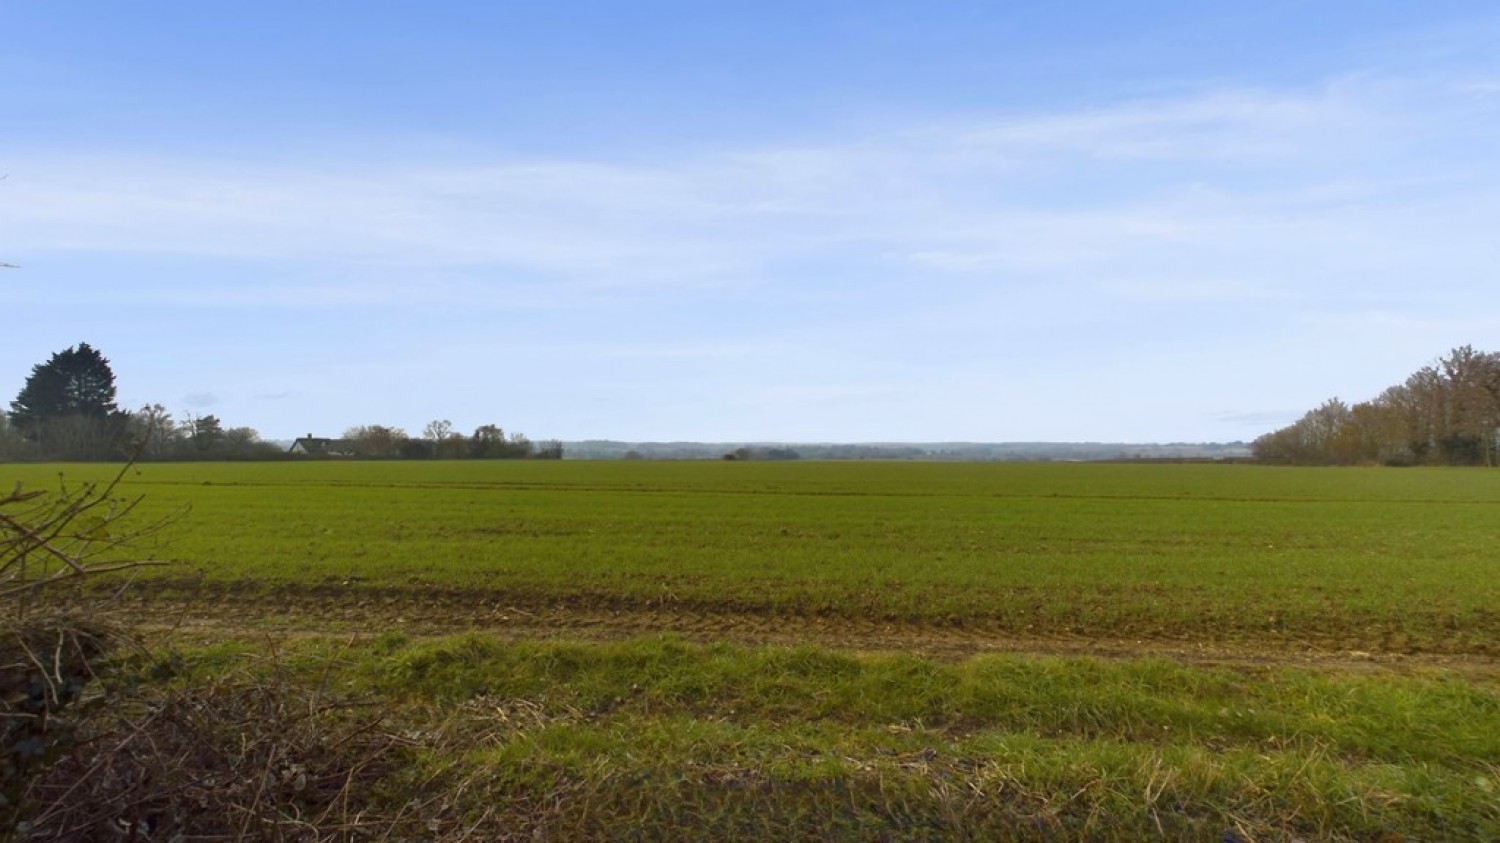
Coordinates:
<point>322,446</point>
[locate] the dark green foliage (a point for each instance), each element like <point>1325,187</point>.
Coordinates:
<point>773,454</point>
<point>416,449</point>
<point>67,406</point>
<point>206,433</point>
<point>489,442</point>
<point>74,382</point>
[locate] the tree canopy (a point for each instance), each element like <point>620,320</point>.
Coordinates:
<point>1447,413</point>
<point>75,382</point>
<point>67,406</point>
<point>66,411</point>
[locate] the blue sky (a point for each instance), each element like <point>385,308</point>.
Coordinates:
<point>810,221</point>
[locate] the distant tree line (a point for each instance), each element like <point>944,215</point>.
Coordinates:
<point>67,411</point>
<point>771,454</point>
<point>440,441</point>
<point>1447,413</point>
<point>603,449</point>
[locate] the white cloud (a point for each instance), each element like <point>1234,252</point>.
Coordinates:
<point>962,197</point>
<point>1229,126</point>
<point>1188,260</point>
<point>1187,291</point>
<point>840,275</point>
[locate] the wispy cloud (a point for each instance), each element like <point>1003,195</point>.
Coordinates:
<point>1238,127</point>
<point>1047,191</point>
<point>1188,291</point>
<point>1257,418</point>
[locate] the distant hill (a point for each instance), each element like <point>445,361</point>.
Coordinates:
<point>607,449</point>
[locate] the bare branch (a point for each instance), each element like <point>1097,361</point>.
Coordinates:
<point>75,533</point>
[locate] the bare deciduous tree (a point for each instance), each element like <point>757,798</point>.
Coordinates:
<point>76,532</point>
<point>437,430</point>
<point>376,440</point>
<point>155,431</point>
<point>1444,413</point>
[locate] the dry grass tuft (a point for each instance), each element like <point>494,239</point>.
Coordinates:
<point>46,664</point>
<point>266,759</point>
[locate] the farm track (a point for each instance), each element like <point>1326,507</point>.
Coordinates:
<point>343,611</point>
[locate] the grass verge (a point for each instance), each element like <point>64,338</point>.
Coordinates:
<point>474,738</point>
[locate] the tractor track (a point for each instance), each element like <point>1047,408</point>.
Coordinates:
<point>420,612</point>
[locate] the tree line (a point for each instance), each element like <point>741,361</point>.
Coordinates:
<point>1446,413</point>
<point>67,411</point>
<point>439,440</point>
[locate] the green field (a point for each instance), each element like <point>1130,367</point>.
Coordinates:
<point>637,650</point>
<point>1402,560</point>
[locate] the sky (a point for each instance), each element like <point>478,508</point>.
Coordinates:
<point>811,220</point>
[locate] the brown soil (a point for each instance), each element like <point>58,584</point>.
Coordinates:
<point>198,612</point>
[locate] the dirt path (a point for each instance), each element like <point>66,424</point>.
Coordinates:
<point>333,611</point>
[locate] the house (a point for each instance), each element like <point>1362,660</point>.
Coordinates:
<point>314,446</point>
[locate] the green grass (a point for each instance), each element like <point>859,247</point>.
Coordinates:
<point>1386,719</point>
<point>1352,558</point>
<point>661,739</point>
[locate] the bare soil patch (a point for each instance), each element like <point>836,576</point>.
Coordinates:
<point>332,609</point>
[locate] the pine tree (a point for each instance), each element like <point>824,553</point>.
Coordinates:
<point>73,393</point>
